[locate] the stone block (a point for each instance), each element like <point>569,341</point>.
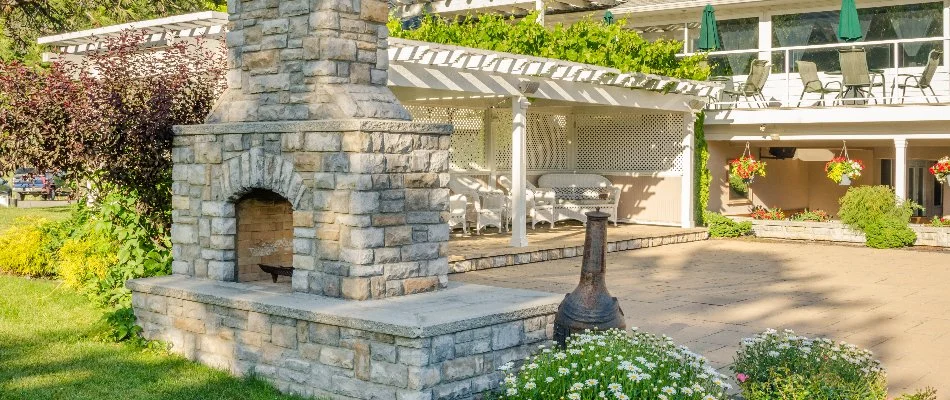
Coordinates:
<point>284,336</point>
<point>507,335</point>
<point>389,374</point>
<point>325,334</point>
<point>355,288</point>
<point>337,357</point>
<point>443,348</point>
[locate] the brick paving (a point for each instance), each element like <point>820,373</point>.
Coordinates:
<point>708,295</point>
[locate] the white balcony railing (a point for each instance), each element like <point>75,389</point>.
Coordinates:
<point>784,85</point>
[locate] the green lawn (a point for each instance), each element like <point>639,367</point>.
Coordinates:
<point>9,215</point>
<point>48,351</point>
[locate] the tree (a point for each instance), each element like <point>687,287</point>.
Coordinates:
<point>109,120</point>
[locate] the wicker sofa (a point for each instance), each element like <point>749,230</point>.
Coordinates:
<point>577,194</point>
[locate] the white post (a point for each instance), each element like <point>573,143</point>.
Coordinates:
<point>900,168</point>
<point>539,7</point>
<point>946,38</point>
<point>765,36</point>
<point>686,48</point>
<point>687,200</point>
<point>519,107</point>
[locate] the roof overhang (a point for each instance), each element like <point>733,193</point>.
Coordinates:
<point>876,122</point>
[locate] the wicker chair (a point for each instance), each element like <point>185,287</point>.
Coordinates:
<point>539,202</point>
<point>812,84</point>
<point>855,74</point>
<point>458,207</point>
<point>755,82</point>
<point>923,81</point>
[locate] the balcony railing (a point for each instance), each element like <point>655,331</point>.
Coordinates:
<point>886,58</point>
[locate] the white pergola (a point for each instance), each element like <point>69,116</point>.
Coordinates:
<point>429,73</point>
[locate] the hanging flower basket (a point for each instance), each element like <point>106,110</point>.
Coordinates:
<point>746,167</point>
<point>842,170</point>
<point>941,170</point>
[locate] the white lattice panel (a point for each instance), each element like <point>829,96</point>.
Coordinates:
<point>467,147</point>
<point>546,140</point>
<point>630,142</point>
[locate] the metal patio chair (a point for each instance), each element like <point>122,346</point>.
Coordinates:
<point>752,88</point>
<point>923,81</point>
<point>856,77</point>
<point>812,84</point>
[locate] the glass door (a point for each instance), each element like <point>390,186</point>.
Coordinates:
<point>917,188</point>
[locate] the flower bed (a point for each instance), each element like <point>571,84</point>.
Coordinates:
<point>782,365</point>
<point>617,366</point>
<point>835,231</point>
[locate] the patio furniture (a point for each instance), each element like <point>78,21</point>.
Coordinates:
<point>539,201</point>
<point>755,82</point>
<point>458,209</point>
<point>578,194</point>
<point>855,75</point>
<point>491,209</point>
<point>923,81</point>
<point>808,71</point>
<point>472,188</point>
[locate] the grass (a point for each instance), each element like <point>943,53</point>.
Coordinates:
<point>8,216</point>
<point>48,350</point>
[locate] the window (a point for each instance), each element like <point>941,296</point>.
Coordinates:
<point>734,34</point>
<point>938,193</point>
<point>909,21</point>
<point>887,173</point>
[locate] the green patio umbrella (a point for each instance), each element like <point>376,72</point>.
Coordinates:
<point>708,31</point>
<point>849,28</point>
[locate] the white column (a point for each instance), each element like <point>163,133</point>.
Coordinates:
<point>900,168</point>
<point>765,36</point>
<point>687,200</point>
<point>946,36</point>
<point>519,109</point>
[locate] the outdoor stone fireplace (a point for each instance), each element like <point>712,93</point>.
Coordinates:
<point>309,161</point>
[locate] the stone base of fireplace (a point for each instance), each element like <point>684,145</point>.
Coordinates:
<point>441,345</point>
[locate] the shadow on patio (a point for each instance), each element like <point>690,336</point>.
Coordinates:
<point>708,295</point>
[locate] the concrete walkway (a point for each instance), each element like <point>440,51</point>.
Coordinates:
<point>708,295</point>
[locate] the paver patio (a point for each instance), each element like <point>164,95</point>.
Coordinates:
<point>708,295</point>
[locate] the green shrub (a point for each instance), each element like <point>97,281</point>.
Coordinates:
<point>723,226</point>
<point>928,393</point>
<point>635,366</point>
<point>875,211</point>
<point>23,249</point>
<point>781,365</point>
<point>888,234</point>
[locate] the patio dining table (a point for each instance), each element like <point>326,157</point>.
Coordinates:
<point>855,89</point>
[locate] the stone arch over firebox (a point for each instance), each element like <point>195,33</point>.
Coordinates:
<point>256,169</point>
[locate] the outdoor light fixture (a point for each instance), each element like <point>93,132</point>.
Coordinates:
<point>762,128</point>
<point>528,87</point>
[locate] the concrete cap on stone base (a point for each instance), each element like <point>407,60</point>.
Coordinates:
<point>457,308</point>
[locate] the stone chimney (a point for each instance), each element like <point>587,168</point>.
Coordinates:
<point>307,60</point>
<point>353,192</point>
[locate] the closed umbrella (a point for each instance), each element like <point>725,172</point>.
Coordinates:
<point>849,27</point>
<point>708,31</point>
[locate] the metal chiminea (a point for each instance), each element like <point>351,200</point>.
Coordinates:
<point>590,305</point>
